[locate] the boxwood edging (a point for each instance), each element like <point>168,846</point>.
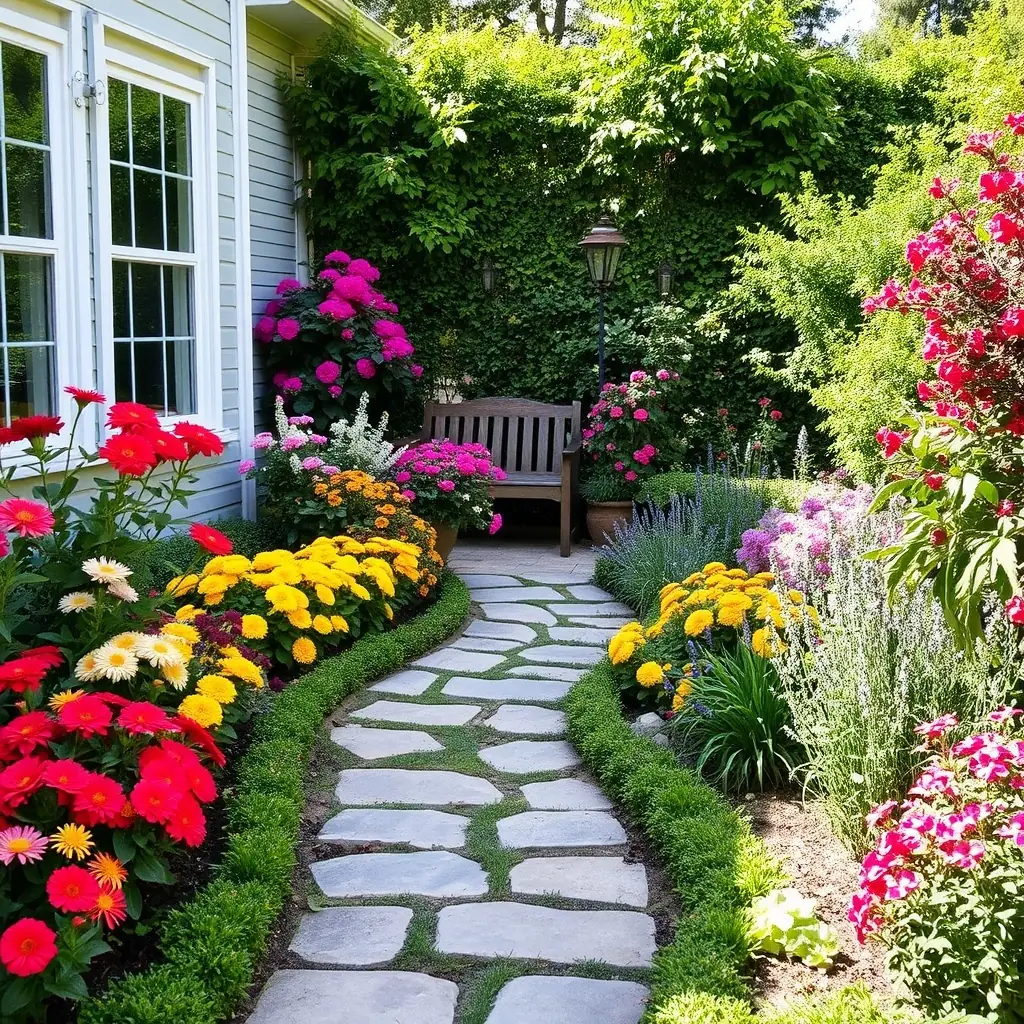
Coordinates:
<point>213,943</point>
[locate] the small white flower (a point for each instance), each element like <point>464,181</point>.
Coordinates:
<point>76,601</point>
<point>158,651</point>
<point>124,591</point>
<point>105,570</point>
<point>88,668</point>
<point>116,665</point>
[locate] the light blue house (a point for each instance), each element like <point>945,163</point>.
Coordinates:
<point>147,205</point>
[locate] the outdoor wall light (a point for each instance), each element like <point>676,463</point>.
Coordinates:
<point>666,273</point>
<point>489,275</point>
<point>602,248</point>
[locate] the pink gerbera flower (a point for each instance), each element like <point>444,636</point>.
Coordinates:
<point>21,842</point>
<point>27,518</point>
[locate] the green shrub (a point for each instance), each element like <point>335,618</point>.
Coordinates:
<point>776,493</point>
<point>160,995</point>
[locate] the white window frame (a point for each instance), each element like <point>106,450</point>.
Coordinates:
<point>199,91</point>
<point>72,349</point>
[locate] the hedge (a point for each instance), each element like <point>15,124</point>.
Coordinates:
<point>716,865</point>
<point>213,943</point>
<point>778,493</point>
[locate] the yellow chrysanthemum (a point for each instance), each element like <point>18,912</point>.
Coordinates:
<point>322,625</point>
<point>339,623</point>
<point>284,598</point>
<point>765,644</point>
<point>736,599</point>
<point>176,675</point>
<point>62,697</point>
<point>267,560</point>
<point>738,574</point>
<point>186,613</point>
<point>683,690</point>
<point>182,585</point>
<point>621,647</point>
<point>183,631</point>
<point>300,619</point>
<point>217,583</point>
<point>72,841</point>
<point>304,651</point>
<point>713,567</point>
<point>202,709</point>
<point>730,615</point>
<point>289,574</point>
<point>242,668</point>
<point>254,627</point>
<point>234,565</point>
<point>796,597</point>
<point>649,674</point>
<point>698,621</point>
<point>221,689</point>
<point>324,594</point>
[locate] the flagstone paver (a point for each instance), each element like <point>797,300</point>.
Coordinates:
<point>565,795</point>
<point>534,830</point>
<point>373,743</point>
<point>501,631</point>
<point>525,756</point>
<point>357,997</point>
<point>352,936</point>
<point>504,929</point>
<point>569,1001</point>
<point>394,843</point>
<point>597,879</point>
<point>439,874</point>
<point>360,787</point>
<point>506,689</point>
<point>526,719</point>
<point>424,829</point>
<point>418,714</point>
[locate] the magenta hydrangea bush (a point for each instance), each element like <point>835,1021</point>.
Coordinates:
<point>942,887</point>
<point>803,545</point>
<point>332,340</point>
<point>450,484</point>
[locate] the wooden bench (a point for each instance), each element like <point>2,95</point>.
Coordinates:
<point>536,444</point>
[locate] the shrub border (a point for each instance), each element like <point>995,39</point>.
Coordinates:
<point>213,943</point>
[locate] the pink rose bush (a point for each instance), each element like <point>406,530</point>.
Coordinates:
<point>942,887</point>
<point>332,340</point>
<point>958,459</point>
<point>450,483</point>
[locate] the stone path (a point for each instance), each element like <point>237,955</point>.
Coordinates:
<point>466,843</point>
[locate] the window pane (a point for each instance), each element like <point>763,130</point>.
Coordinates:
<point>146,301</point>
<point>123,371</point>
<point>122,312</point>
<point>28,191</point>
<point>149,374</point>
<point>178,302</point>
<point>149,210</point>
<point>179,215</point>
<point>180,380</point>
<point>117,100</point>
<point>30,373</point>
<point>145,119</point>
<point>120,206</point>
<point>176,136</point>
<point>24,94</point>
<point>27,297</point>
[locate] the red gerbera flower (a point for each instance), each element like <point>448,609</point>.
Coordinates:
<point>110,907</point>
<point>200,441</point>
<point>112,698</point>
<point>27,947</point>
<point>28,427</point>
<point>198,734</point>
<point>20,780</point>
<point>142,717</point>
<point>163,769</point>
<point>168,447</point>
<point>21,674</point>
<point>129,454</point>
<point>26,518</point>
<point>188,823</point>
<point>84,397</point>
<point>213,540</point>
<point>155,800</point>
<point>46,653</point>
<point>125,817</point>
<point>129,416</point>
<point>87,715</point>
<point>7,435</point>
<point>99,801</point>
<point>200,781</point>
<point>26,732</point>
<point>72,888</point>
<point>66,775</point>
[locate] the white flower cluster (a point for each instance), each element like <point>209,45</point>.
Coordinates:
<point>360,445</point>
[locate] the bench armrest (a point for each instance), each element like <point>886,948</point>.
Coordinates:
<point>572,447</point>
<point>408,442</point>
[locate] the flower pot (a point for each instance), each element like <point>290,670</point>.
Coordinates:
<point>603,515</point>
<point>446,537</point>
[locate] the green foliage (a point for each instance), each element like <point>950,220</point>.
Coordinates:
<point>214,942</point>
<point>736,725</point>
<point>773,492</point>
<point>784,923</point>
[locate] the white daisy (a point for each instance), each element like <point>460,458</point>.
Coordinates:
<point>176,675</point>
<point>125,641</point>
<point>123,591</point>
<point>158,651</point>
<point>76,601</point>
<point>105,570</point>
<point>88,670</point>
<point>116,665</point>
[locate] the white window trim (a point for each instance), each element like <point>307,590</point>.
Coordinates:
<point>200,93</point>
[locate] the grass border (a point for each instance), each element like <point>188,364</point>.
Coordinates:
<point>213,943</point>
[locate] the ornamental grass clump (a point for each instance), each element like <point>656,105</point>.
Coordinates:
<point>941,887</point>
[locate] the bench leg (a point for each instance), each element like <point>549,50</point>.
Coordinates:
<point>566,531</point>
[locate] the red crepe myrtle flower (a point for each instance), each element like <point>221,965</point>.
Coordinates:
<point>66,775</point>
<point>188,823</point>
<point>20,780</point>
<point>129,454</point>
<point>144,718</point>
<point>84,397</point>
<point>200,441</point>
<point>890,440</point>
<point>27,947</point>
<point>212,540</point>
<point>168,447</point>
<point>155,800</point>
<point>99,801</point>
<point>938,537</point>
<point>26,732</point>
<point>776,414</point>
<point>132,416</point>
<point>1005,508</point>
<point>70,889</point>
<point>933,481</point>
<point>29,427</point>
<point>87,715</point>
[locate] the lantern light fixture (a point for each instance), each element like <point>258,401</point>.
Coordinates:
<point>602,249</point>
<point>489,275</point>
<point>666,274</point>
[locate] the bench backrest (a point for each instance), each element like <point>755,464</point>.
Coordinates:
<point>523,436</point>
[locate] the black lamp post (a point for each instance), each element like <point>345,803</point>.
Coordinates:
<point>665,275</point>
<point>602,248</point>
<point>489,274</point>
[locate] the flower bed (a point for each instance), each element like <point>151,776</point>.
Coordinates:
<point>212,944</point>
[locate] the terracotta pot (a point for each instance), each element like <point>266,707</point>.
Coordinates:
<point>603,515</point>
<point>446,537</point>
